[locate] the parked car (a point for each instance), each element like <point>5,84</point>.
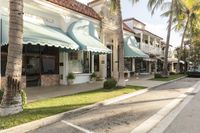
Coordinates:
<point>194,72</point>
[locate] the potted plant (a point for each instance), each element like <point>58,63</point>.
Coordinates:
<point>70,78</point>
<point>93,77</point>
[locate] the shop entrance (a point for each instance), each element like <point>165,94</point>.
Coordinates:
<point>33,77</point>
<point>109,63</point>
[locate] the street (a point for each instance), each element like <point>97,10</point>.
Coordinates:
<point>124,116</point>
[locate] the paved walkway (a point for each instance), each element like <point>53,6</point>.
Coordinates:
<point>39,93</point>
<point>188,120</point>
<point>121,117</point>
<point>143,80</point>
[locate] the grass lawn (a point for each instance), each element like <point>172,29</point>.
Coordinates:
<point>44,108</point>
<point>171,77</point>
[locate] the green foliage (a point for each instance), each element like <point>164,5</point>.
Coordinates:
<point>172,73</point>
<point>157,75</point>
<point>70,76</point>
<point>93,75</point>
<point>24,97</point>
<point>110,84</point>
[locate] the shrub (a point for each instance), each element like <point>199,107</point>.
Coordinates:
<point>110,84</point>
<point>172,73</point>
<point>157,75</point>
<point>93,75</point>
<point>70,76</point>
<point>24,97</point>
<point>1,94</point>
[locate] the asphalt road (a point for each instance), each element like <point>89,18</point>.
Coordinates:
<point>188,120</point>
<point>121,117</point>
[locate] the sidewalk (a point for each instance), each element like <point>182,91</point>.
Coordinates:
<point>39,93</point>
<point>144,81</point>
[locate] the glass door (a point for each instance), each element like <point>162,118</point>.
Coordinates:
<point>33,71</point>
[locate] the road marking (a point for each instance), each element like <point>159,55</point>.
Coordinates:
<point>77,127</point>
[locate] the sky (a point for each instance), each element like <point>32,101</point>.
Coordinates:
<point>156,24</point>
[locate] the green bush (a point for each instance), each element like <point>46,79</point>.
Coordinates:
<point>1,95</point>
<point>24,97</point>
<point>93,75</point>
<point>157,75</point>
<point>172,73</point>
<point>110,84</point>
<point>70,76</point>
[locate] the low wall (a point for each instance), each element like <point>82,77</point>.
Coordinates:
<point>50,80</point>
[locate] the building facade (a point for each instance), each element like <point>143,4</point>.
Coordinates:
<point>62,37</point>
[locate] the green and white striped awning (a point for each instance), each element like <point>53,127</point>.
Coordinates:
<point>131,49</point>
<point>83,33</point>
<point>39,34</point>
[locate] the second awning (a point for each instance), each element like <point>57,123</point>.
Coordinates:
<point>83,33</point>
<point>131,49</point>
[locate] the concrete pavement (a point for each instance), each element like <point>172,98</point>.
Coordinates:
<point>39,93</point>
<point>188,119</point>
<point>121,117</point>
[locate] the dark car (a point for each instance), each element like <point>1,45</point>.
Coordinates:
<point>194,72</point>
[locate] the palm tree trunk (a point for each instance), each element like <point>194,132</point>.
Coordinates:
<point>121,81</point>
<point>182,43</point>
<point>165,65</point>
<point>11,102</point>
<point>190,50</point>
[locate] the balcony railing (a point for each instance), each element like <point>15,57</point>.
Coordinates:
<point>150,49</point>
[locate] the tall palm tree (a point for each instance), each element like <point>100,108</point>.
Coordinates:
<point>12,102</point>
<point>153,5</point>
<point>185,17</point>
<point>116,7</point>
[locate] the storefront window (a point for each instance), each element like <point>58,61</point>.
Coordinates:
<point>128,64</point>
<point>49,57</point>
<point>79,62</point>
<point>96,63</point>
<point>48,65</point>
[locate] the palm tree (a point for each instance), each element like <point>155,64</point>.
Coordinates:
<point>116,7</point>
<point>12,102</point>
<point>153,5</point>
<point>185,18</point>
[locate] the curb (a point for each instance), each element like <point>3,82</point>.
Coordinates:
<point>151,125</point>
<point>26,127</point>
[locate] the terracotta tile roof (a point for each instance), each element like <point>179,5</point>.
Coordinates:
<point>77,6</point>
<point>94,1</point>
<point>125,27</point>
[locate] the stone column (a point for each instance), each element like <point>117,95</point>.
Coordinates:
<point>64,67</point>
<point>115,57</point>
<point>92,60</point>
<point>103,60</point>
<point>149,67</point>
<point>149,40</point>
<point>155,71</point>
<point>133,64</point>
<point>141,40</point>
